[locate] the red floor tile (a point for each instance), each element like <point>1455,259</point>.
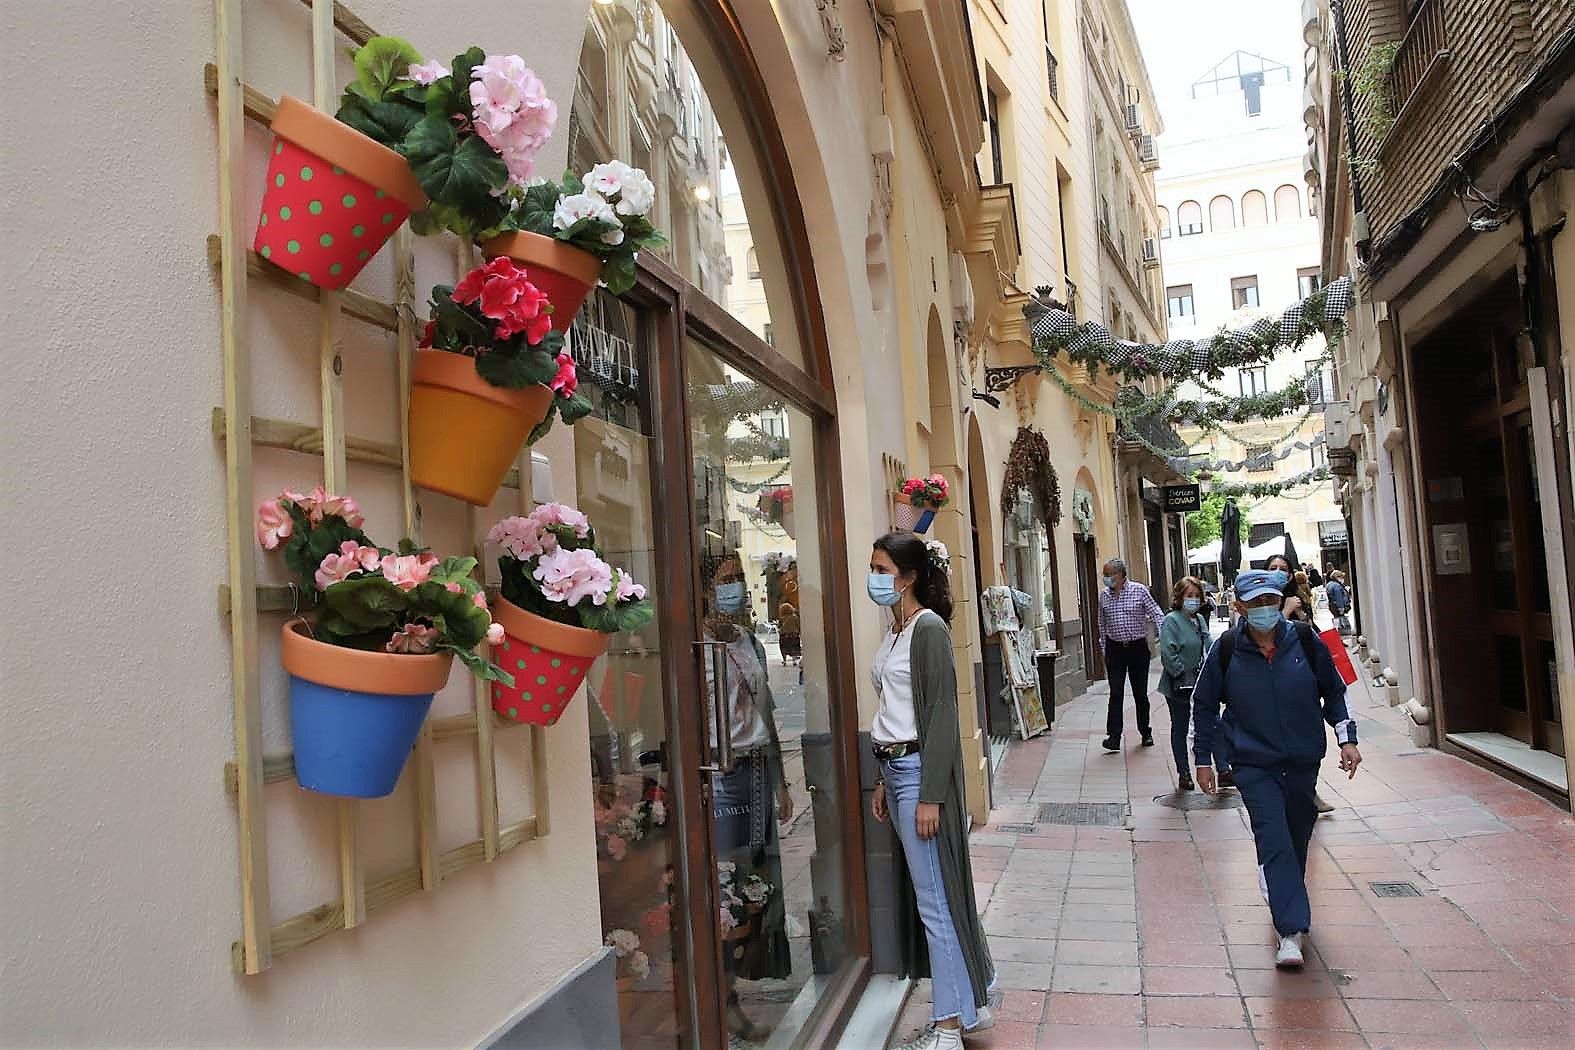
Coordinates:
<point>1195,1011</point>
<point>1201,1039</point>
<point>1310,1040</point>
<point>1407,1017</point>
<point>1500,1019</point>
<point>1022,1006</point>
<point>1183,953</point>
<point>1188,980</point>
<point>1325,1014</point>
<point>1386,984</point>
<point>1090,1037</point>
<point>1071,1008</point>
<point>1285,984</point>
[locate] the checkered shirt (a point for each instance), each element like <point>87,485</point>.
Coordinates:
<point>1121,615</point>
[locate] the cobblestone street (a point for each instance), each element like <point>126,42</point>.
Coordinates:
<point>1154,933</point>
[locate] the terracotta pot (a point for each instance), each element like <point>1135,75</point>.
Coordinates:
<point>565,274</point>
<point>354,715</point>
<point>909,518</point>
<point>333,197</point>
<point>548,660</point>
<point>465,433</point>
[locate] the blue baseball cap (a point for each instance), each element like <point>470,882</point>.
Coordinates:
<point>1255,583</point>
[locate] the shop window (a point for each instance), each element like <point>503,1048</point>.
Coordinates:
<point>1254,380</point>
<point>1244,292</point>
<point>1179,300</point>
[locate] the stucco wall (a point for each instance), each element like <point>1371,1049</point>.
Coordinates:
<point>121,889</point>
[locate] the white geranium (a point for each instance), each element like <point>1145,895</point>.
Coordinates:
<point>637,195</point>
<point>639,964</point>
<point>607,179</point>
<point>613,237</point>
<point>756,890</point>
<point>575,207</point>
<point>629,829</point>
<point>622,942</point>
<point>659,813</point>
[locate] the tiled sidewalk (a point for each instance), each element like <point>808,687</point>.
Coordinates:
<point>1154,934</point>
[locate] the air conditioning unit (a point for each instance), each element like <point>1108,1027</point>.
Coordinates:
<point>1150,252</point>
<point>1148,153</point>
<point>1337,425</point>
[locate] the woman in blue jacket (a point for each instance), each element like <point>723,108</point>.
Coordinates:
<point>1183,637</point>
<point>1279,685</point>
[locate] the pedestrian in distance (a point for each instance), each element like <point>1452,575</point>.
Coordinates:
<point>1278,685</point>
<point>1125,610</point>
<point>920,788</point>
<point>1183,639</point>
<point>1339,601</point>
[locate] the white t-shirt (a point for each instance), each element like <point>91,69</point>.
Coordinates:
<point>746,682</point>
<point>892,673</point>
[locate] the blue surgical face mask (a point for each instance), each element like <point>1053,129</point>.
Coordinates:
<point>1281,578</point>
<point>731,598</point>
<point>1192,605</point>
<point>1264,618</point>
<point>1110,582</point>
<point>883,589</point>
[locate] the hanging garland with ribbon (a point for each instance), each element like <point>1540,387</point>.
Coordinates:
<point>1057,332</point>
<point>1193,464</point>
<point>1271,404</point>
<point>1258,489</point>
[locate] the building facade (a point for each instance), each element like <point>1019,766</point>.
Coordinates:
<point>1239,242</point>
<point>1440,141</point>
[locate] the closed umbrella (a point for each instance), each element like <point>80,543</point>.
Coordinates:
<point>1290,553</point>
<point>1230,542</point>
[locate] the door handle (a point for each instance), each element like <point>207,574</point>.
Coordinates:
<point>722,758</point>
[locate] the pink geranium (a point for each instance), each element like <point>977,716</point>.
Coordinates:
<point>351,557</point>
<point>408,571</point>
<point>495,634</point>
<point>567,381</point>
<point>521,537</point>
<point>512,112</point>
<point>627,588</point>
<point>560,514</point>
<point>414,638</point>
<point>617,848</point>
<point>274,525</point>
<point>571,577</point>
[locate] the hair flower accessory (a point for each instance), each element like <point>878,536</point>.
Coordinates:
<point>940,557</point>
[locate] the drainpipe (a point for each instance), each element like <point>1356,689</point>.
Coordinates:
<point>1360,233</point>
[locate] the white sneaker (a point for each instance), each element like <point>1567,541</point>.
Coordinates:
<point>935,1039</point>
<point>1263,884</point>
<point>985,1022</point>
<point>1289,957</point>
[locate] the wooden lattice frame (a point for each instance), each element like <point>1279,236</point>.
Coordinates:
<point>242,599</point>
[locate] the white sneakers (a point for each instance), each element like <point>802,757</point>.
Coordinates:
<point>937,1039</point>
<point>1290,954</point>
<point>985,1022</point>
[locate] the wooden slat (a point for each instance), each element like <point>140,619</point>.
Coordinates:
<point>276,769</point>
<point>299,931</point>
<point>525,502</point>
<point>356,304</point>
<point>348,23</point>
<point>481,695</point>
<point>256,950</point>
<point>257,106</point>
<point>305,438</point>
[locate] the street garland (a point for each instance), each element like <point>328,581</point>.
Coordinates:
<point>1260,489</point>
<point>1057,332</point>
<point>1271,404</point>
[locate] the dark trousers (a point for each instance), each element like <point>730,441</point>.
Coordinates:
<point>1180,704</point>
<point>1124,660</point>
<point>1280,803</point>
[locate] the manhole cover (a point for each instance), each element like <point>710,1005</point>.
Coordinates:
<point>1105,814</point>
<point>1395,889</point>
<point>1191,800</point>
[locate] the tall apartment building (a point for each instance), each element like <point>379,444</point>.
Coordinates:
<point>1442,134</point>
<point>1239,241</point>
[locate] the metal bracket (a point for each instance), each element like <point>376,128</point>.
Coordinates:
<point>999,379</point>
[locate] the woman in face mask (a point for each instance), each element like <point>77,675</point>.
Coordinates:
<point>1292,604</point>
<point>749,800</point>
<point>1183,639</point>
<point>919,789</point>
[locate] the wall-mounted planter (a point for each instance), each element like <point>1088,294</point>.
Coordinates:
<point>565,274</point>
<point>355,715</point>
<point>548,660</point>
<point>465,433</point>
<point>909,518</point>
<point>333,197</point>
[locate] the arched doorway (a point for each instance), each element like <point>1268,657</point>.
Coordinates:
<point>1085,514</point>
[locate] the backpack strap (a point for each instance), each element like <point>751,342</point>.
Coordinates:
<point>1311,643</point>
<point>1226,646</point>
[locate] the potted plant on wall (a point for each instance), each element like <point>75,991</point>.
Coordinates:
<point>491,374</point>
<point>917,501</point>
<point>587,228</point>
<point>560,604</point>
<point>384,629</point>
<point>410,139</point>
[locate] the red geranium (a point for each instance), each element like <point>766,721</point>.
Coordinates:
<point>504,293</point>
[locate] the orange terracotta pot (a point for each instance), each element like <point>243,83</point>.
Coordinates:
<point>548,660</point>
<point>465,433</point>
<point>565,274</point>
<point>332,199</point>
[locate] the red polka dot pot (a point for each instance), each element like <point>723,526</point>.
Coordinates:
<point>333,197</point>
<point>549,662</point>
<point>564,274</point>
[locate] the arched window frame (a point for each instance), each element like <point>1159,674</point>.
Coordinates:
<point>1283,195</point>
<point>1221,203</point>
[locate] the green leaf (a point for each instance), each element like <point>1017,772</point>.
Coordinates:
<point>454,613</point>
<point>381,63</point>
<point>544,428</point>
<point>574,409</point>
<point>385,122</point>
<point>618,273</point>
<point>534,211</point>
<point>369,603</point>
<point>461,174</point>
<point>482,668</point>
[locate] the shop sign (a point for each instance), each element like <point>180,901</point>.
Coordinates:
<point>1180,499</point>
<point>1331,534</point>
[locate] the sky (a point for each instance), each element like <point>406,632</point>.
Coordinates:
<point>1183,39</point>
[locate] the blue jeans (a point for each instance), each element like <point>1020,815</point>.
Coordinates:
<point>953,990</point>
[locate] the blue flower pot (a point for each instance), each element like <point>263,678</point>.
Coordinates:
<point>354,741</point>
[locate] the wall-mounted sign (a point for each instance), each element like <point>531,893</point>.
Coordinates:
<point>1180,499</point>
<point>1332,534</point>
<point>1451,550</point>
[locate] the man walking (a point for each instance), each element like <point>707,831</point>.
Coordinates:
<point>1278,684</point>
<point>1125,610</point>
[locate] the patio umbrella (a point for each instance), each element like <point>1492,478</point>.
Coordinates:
<point>1230,542</point>
<point>1290,553</point>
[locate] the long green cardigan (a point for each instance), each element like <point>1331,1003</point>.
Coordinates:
<point>941,780</point>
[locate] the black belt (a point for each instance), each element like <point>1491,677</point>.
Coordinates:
<point>891,752</point>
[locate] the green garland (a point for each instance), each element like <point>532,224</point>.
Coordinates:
<point>1260,489</point>
<point>1271,404</point>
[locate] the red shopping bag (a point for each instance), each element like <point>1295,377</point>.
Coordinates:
<point>1342,659</point>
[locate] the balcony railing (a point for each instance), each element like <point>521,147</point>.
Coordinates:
<point>1426,43</point>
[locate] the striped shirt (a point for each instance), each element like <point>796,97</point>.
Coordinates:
<point>1121,614</point>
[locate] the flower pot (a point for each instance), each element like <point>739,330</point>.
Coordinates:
<point>548,660</point>
<point>910,518</point>
<point>465,433</point>
<point>565,274</point>
<point>354,715</point>
<point>332,199</point>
